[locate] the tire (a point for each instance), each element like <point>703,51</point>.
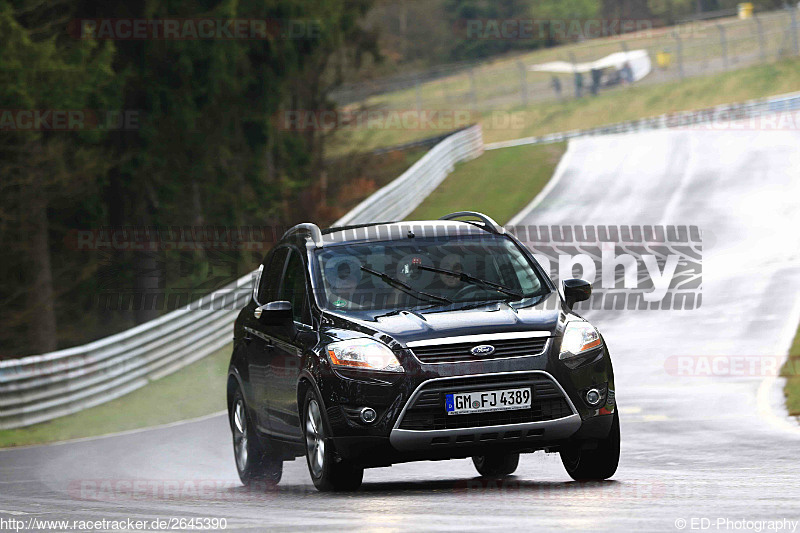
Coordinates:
<point>594,465</point>
<point>328,471</point>
<point>496,465</point>
<point>254,462</point>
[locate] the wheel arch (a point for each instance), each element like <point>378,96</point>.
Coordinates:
<point>305,383</point>
<point>233,384</point>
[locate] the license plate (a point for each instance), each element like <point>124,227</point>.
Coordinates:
<point>464,403</point>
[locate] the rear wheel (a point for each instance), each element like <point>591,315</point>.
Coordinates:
<point>597,464</point>
<point>254,462</point>
<point>496,464</point>
<point>328,471</point>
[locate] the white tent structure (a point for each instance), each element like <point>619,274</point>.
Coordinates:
<point>638,60</point>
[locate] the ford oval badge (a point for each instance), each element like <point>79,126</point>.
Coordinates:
<point>481,350</point>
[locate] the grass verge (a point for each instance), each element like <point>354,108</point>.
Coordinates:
<point>629,103</point>
<point>791,371</point>
<point>196,390</point>
<point>499,183</point>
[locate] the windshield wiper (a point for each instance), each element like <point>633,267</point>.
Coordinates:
<point>475,281</point>
<point>406,288</point>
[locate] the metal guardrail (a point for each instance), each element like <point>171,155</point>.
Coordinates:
<point>43,387</point>
<point>399,198</point>
<point>723,115</point>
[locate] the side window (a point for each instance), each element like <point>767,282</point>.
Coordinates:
<point>294,289</point>
<point>270,278</point>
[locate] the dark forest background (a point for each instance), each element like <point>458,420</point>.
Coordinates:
<point>204,148</point>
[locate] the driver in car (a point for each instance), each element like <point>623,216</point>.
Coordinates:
<point>451,262</point>
<point>342,278</point>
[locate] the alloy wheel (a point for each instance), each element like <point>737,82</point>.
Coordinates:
<point>240,435</point>
<point>315,438</point>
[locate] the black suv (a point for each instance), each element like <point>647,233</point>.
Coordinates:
<point>370,345</point>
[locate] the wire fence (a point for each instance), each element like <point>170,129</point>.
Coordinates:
<point>690,49</point>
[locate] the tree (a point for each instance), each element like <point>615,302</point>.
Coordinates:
<point>207,149</point>
<point>42,72</point>
<point>484,14</point>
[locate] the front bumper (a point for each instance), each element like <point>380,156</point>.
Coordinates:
<point>423,425</point>
<point>390,440</point>
<point>528,433</point>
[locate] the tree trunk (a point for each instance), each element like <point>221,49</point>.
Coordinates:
<point>42,330</point>
<point>197,204</point>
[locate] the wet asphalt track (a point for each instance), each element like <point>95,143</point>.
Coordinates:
<point>692,447</point>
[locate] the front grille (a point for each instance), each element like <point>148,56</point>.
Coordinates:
<point>428,410</point>
<point>452,353</point>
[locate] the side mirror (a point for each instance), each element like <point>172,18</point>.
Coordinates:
<point>277,313</point>
<point>576,290</point>
<point>306,338</point>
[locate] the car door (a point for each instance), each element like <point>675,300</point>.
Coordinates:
<point>285,361</point>
<point>260,346</point>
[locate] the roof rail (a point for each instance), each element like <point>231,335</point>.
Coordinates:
<point>489,223</point>
<point>307,227</point>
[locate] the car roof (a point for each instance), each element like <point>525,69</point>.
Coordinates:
<point>447,227</point>
<point>387,231</point>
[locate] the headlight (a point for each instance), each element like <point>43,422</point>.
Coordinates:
<point>579,338</point>
<point>363,353</point>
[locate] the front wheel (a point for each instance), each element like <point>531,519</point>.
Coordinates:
<point>597,464</point>
<point>253,462</point>
<point>496,465</point>
<point>328,472</point>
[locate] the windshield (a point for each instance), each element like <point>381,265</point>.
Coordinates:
<point>424,272</point>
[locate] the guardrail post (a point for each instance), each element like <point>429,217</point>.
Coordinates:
<point>724,43</point>
<point>523,82</point>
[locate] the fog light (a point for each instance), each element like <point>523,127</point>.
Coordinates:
<point>593,396</point>
<point>368,415</point>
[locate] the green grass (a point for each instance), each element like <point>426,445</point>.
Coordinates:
<point>197,390</point>
<point>791,370</point>
<point>499,183</point>
<point>637,101</point>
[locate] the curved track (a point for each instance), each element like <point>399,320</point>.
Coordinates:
<point>693,447</point>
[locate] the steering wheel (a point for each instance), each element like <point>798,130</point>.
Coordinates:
<point>467,290</point>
